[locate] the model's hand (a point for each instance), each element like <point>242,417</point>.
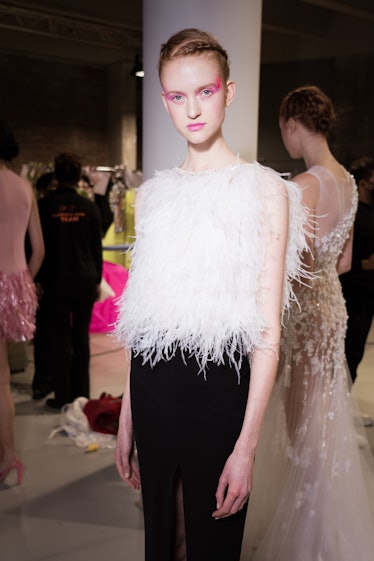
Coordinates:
<point>125,458</point>
<point>234,485</point>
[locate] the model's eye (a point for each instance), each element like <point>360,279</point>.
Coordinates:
<point>177,98</point>
<point>206,93</point>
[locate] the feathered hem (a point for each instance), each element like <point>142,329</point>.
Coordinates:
<point>232,350</point>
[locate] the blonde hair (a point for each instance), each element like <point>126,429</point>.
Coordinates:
<point>192,41</point>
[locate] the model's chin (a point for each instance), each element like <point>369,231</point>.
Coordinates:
<point>196,137</point>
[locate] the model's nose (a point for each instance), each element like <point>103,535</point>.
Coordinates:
<point>193,108</point>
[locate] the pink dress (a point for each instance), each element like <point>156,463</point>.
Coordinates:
<point>18,300</point>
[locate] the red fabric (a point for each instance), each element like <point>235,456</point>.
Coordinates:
<point>104,314</point>
<point>103,413</point>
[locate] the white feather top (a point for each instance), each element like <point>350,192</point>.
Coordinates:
<point>197,262</point>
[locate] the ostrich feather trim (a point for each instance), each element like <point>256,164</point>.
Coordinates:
<point>198,263</point>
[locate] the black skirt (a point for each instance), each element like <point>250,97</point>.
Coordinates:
<point>186,424</point>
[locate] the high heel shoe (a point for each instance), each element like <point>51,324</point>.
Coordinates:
<point>18,466</point>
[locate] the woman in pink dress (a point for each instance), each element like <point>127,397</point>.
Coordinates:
<point>18,216</point>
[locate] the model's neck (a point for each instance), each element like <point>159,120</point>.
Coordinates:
<point>213,155</point>
<point>316,152</point>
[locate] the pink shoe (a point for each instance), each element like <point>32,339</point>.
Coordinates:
<point>18,466</point>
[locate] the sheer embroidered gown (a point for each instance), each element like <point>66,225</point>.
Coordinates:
<point>313,497</point>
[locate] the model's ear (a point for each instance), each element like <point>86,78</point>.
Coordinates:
<point>291,124</point>
<point>163,97</point>
<point>230,92</point>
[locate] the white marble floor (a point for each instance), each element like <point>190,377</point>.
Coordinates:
<point>72,506</point>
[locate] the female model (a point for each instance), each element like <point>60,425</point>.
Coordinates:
<point>318,505</point>
<point>203,329</point>
<point>18,215</point>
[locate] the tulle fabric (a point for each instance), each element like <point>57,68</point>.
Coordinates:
<point>18,303</point>
<point>313,497</point>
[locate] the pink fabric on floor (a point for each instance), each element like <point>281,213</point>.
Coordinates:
<point>104,314</point>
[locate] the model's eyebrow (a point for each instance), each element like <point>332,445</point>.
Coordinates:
<point>215,86</point>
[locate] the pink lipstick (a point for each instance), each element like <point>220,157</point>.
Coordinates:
<point>195,126</point>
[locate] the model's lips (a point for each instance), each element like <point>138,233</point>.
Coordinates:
<point>195,126</point>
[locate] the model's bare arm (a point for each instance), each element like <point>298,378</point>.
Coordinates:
<point>124,456</point>
<point>236,479</point>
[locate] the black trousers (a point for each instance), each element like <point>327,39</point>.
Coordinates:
<point>69,325</point>
<point>187,425</point>
<point>43,379</point>
<point>360,309</point>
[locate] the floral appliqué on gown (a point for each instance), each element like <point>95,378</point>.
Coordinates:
<point>313,495</point>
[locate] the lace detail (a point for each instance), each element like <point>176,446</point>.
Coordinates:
<point>313,342</point>
<point>314,486</point>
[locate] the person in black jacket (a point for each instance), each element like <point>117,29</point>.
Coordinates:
<point>69,279</point>
<point>358,283</point>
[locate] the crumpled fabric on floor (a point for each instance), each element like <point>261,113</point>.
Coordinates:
<point>74,422</point>
<point>103,413</point>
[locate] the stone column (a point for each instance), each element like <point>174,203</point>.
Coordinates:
<point>237,25</point>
